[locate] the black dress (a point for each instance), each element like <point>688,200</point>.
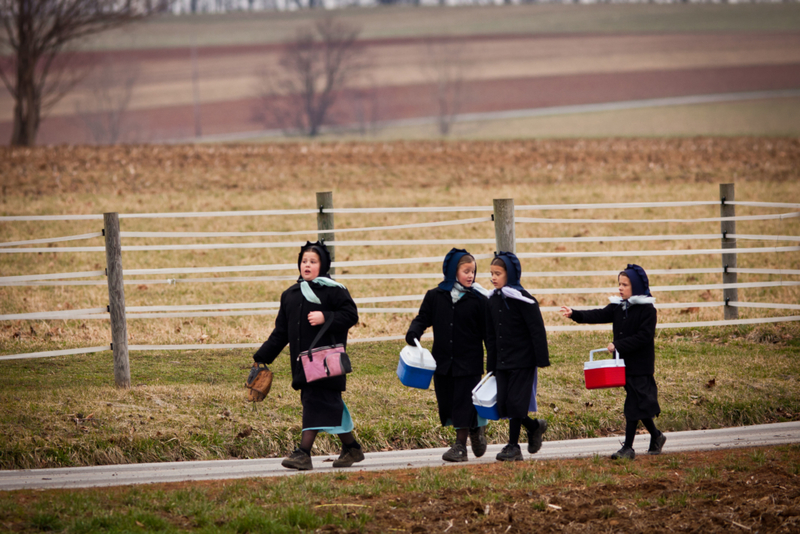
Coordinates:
<point>634,338</point>
<point>322,400</point>
<point>459,331</point>
<point>516,342</point>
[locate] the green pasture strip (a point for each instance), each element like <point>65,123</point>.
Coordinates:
<point>358,502</point>
<point>190,405</point>
<point>778,117</point>
<point>268,27</point>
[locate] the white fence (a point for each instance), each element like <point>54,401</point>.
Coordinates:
<point>504,223</point>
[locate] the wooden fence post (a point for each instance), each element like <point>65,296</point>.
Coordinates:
<point>325,222</point>
<point>727,194</point>
<point>504,225</point>
<point>116,300</point>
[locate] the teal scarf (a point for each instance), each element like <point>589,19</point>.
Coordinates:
<point>309,294</point>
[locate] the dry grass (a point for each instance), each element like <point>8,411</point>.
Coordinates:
<point>189,404</point>
<point>166,179</point>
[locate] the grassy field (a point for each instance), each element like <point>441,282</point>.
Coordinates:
<point>402,21</point>
<point>190,404</point>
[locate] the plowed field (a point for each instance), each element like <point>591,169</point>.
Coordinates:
<point>398,165</point>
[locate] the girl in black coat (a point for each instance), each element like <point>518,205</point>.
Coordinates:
<point>516,343</point>
<point>305,307</point>
<point>634,318</point>
<point>456,310</point>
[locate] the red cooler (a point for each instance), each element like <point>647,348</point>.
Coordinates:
<point>604,373</point>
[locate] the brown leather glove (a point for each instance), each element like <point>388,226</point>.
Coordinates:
<point>258,382</point>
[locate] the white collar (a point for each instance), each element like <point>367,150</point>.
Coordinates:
<point>512,293</point>
<point>635,299</point>
<point>482,290</point>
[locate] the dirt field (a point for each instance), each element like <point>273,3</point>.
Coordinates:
<point>370,167</point>
<point>746,490</point>
<point>501,72</point>
<point>764,500</point>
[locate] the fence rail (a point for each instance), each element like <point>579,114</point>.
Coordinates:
<point>503,218</point>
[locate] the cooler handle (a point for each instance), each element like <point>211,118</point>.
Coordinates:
<point>482,382</point>
<point>419,352</point>
<point>591,354</point>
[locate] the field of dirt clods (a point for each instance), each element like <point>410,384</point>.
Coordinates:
<point>155,169</point>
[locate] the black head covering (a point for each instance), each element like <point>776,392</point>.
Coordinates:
<point>513,269</point>
<point>640,285</point>
<point>324,256</point>
<point>450,267</point>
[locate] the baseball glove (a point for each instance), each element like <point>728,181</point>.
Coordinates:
<point>258,382</point>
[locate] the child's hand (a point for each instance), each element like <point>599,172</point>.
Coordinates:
<point>611,348</point>
<point>566,312</point>
<point>316,318</point>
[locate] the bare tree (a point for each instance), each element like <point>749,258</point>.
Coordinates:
<point>33,39</point>
<point>365,106</point>
<point>446,66</point>
<point>104,109</point>
<point>314,67</point>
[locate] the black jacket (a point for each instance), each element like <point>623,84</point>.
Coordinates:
<point>515,334</point>
<point>634,333</point>
<point>292,328</point>
<point>459,331</point>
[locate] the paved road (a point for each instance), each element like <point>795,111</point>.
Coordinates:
<point>118,475</point>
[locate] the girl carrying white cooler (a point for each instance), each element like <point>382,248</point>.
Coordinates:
<point>456,309</point>
<point>516,343</point>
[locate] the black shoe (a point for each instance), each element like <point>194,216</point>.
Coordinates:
<point>477,440</point>
<point>657,443</point>
<point>298,460</point>
<point>625,453</point>
<point>535,437</point>
<point>510,453</point>
<point>348,457</point>
<point>457,453</point>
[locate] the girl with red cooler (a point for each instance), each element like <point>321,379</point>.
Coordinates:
<point>634,320</point>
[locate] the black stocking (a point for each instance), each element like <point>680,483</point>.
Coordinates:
<point>650,426</point>
<point>514,426</point>
<point>630,432</point>
<point>307,440</point>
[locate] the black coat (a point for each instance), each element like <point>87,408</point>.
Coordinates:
<point>292,328</point>
<point>459,331</point>
<point>515,334</point>
<point>634,333</point>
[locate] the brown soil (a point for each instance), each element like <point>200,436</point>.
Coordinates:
<point>743,490</point>
<point>508,72</point>
<point>649,497</point>
<point>353,166</point>
<point>412,101</point>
